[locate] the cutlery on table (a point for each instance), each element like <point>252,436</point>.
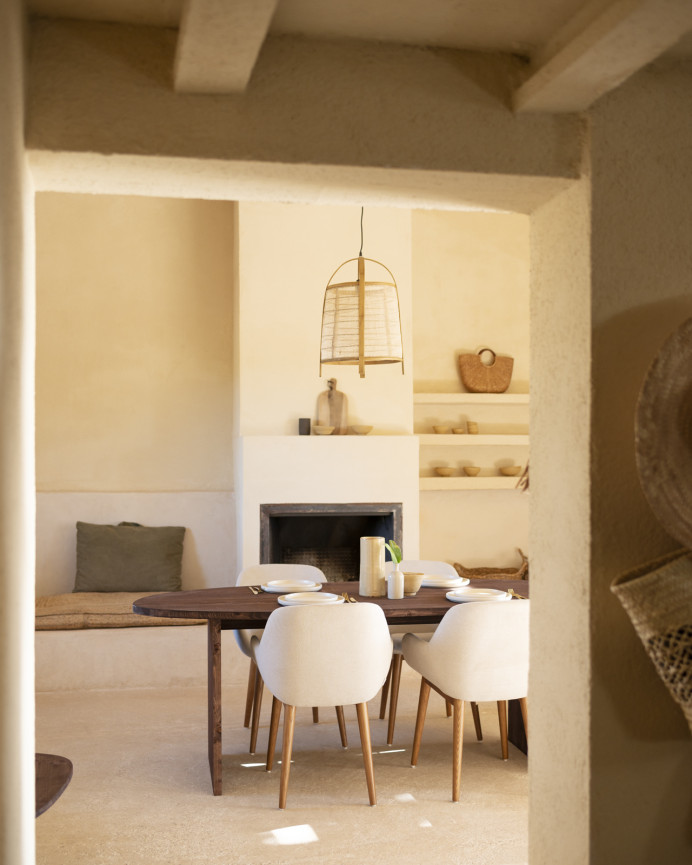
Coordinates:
<point>515,595</point>
<point>254,590</point>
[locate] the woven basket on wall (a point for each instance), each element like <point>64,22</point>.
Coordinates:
<point>480,377</point>
<point>658,599</point>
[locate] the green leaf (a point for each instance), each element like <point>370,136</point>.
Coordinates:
<point>394,551</point>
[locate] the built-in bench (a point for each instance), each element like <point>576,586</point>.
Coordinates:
<point>102,643</point>
<point>93,640</point>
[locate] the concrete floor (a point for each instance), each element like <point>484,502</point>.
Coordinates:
<point>141,793</point>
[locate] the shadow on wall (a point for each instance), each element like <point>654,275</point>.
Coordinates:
<point>623,351</point>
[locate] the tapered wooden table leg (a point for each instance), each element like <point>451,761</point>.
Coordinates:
<point>214,702</point>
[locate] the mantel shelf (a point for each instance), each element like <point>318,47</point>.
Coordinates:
<point>467,440</point>
<point>470,398</point>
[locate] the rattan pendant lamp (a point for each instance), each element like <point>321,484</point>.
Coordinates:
<point>361,320</point>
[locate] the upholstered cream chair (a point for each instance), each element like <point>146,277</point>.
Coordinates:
<point>479,652</point>
<point>391,686</point>
<point>330,655</point>
<point>257,575</point>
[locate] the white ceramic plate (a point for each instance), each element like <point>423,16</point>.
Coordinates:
<point>434,582</point>
<point>297,598</point>
<point>466,594</point>
<point>292,586</point>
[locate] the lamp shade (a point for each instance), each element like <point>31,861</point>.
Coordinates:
<point>361,322</point>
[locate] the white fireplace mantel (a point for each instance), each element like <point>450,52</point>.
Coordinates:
<point>321,470</point>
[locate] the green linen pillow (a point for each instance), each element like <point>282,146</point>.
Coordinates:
<point>129,558</point>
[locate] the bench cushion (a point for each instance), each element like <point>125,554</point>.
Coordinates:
<point>129,558</point>
<point>77,610</point>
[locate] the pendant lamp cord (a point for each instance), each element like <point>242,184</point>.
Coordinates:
<point>361,232</point>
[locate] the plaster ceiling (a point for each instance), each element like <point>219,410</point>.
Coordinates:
<point>576,51</point>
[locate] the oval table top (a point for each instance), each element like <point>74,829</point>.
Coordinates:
<point>237,607</point>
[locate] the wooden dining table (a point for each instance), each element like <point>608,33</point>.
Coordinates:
<point>237,608</point>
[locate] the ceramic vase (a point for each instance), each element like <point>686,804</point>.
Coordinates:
<point>395,584</point>
<point>372,579</point>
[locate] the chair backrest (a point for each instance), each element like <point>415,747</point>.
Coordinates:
<point>331,655</point>
<point>425,566</point>
<point>258,574</point>
<point>479,652</point>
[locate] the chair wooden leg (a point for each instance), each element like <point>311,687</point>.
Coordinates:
<point>420,719</point>
<point>524,715</point>
<point>286,751</point>
<point>250,693</point>
<point>397,659</point>
<point>256,707</point>
<point>342,726</point>
<point>364,727</point>
<point>448,708</point>
<point>385,692</point>
<point>273,730</point>
<point>315,715</point>
<point>502,715</point>
<point>457,747</point>
<point>477,721</point>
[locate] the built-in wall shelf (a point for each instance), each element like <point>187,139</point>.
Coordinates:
<point>470,399</point>
<point>489,412</point>
<point>467,440</point>
<point>463,483</point>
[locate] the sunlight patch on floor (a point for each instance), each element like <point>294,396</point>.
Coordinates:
<point>302,834</point>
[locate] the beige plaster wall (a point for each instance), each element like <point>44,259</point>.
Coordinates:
<point>17,313</point>
<point>471,289</point>
<point>287,254</point>
<point>471,277</point>
<point>560,530</point>
<point>641,750</point>
<point>133,367</point>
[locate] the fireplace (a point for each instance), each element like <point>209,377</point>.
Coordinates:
<point>325,535</point>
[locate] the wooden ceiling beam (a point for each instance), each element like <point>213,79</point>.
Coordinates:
<point>599,49</point>
<point>218,44</point>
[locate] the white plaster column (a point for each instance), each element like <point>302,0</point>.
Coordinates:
<point>17,321</point>
<point>560,531</point>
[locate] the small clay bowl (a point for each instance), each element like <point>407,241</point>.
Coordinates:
<point>444,471</point>
<point>459,431</point>
<point>471,471</point>
<point>322,430</point>
<point>412,582</point>
<point>441,429</point>
<point>361,429</point>
<point>510,471</point>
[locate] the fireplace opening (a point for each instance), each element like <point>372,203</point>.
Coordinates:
<point>325,535</point>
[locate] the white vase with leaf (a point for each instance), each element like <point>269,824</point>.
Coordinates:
<point>395,578</point>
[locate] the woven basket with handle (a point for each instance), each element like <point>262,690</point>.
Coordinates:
<point>520,573</point>
<point>485,376</point>
<point>658,599</point>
